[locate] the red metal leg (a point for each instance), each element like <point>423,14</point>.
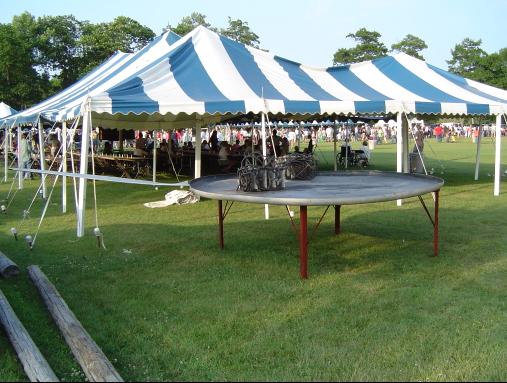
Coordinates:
<point>435,226</point>
<point>220,225</point>
<point>303,242</point>
<point>337,227</point>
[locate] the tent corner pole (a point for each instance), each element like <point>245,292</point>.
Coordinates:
<point>154,165</point>
<point>399,148</point>
<point>6,151</point>
<point>42,157</point>
<point>64,164</point>
<point>198,149</point>
<point>264,154</point>
<point>498,147</point>
<point>334,148</point>
<point>85,145</point>
<point>20,163</point>
<point>478,155</point>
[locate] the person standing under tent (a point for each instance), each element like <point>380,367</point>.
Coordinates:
<point>55,145</point>
<point>58,132</point>
<point>292,138</point>
<point>419,141</point>
<point>213,141</point>
<point>277,141</point>
<point>25,154</point>
<point>140,149</point>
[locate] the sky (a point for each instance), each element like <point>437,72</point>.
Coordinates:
<point>308,32</point>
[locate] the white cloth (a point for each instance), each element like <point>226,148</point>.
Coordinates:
<point>175,197</point>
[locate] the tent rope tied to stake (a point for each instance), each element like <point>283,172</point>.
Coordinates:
<point>96,230</point>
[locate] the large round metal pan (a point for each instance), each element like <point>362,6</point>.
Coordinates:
<point>327,188</point>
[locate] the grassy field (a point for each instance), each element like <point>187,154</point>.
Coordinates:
<point>165,303</point>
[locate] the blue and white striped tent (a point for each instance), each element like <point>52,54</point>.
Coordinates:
<point>209,77</point>
<point>6,110</point>
<point>205,75</point>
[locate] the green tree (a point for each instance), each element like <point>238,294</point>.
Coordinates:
<point>100,41</point>
<point>58,48</point>
<point>188,23</point>
<point>466,57</point>
<point>492,69</point>
<point>20,83</point>
<point>368,47</point>
<point>411,45</point>
<point>239,30</point>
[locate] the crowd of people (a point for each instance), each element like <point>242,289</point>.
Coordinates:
<point>229,143</point>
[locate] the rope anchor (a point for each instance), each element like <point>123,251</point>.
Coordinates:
<point>98,235</point>
<point>29,241</point>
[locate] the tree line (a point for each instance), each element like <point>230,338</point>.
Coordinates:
<point>41,56</point>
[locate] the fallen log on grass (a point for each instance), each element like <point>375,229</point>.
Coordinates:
<point>90,357</point>
<point>35,365</point>
<point>7,267</point>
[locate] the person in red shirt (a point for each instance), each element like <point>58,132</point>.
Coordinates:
<point>438,132</point>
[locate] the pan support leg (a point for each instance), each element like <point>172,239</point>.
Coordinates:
<point>435,225</point>
<point>220,225</point>
<point>303,242</point>
<point>434,220</point>
<point>337,225</point>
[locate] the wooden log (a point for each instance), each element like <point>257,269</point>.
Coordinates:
<point>35,365</point>
<point>90,357</point>
<point>7,267</point>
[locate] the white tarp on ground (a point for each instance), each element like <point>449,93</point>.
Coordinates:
<point>175,197</point>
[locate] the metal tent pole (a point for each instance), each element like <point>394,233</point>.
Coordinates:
<point>334,148</point>
<point>478,155</point>
<point>198,152</point>
<point>264,155</point>
<point>42,158</point>
<point>405,153</point>
<point>399,148</point>
<point>64,167</point>
<point>154,156</point>
<point>6,151</point>
<point>498,147</point>
<point>85,145</point>
<point>20,163</point>
<point>346,146</point>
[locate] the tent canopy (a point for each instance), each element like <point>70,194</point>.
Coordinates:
<point>6,110</point>
<point>208,77</point>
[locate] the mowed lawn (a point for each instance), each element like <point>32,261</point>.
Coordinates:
<point>164,303</point>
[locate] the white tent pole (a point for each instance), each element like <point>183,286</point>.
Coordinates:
<point>85,145</point>
<point>20,163</point>
<point>399,148</point>
<point>197,164</point>
<point>346,146</point>
<point>42,157</point>
<point>6,151</point>
<point>264,154</point>
<point>154,156</point>
<point>498,147</point>
<point>334,148</point>
<point>478,155</point>
<point>64,168</point>
<point>405,152</point>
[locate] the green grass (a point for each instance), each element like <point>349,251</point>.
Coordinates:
<point>377,305</point>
